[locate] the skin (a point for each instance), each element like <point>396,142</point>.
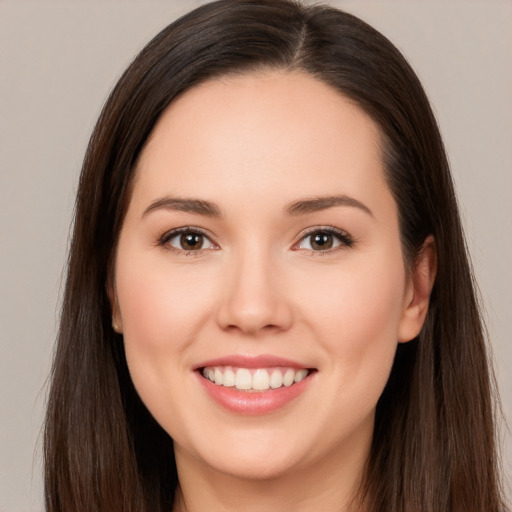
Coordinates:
<point>253,145</point>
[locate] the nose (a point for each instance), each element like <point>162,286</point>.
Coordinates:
<point>255,299</point>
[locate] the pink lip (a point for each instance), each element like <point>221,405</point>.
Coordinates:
<point>253,403</point>
<point>240,361</point>
<point>256,402</point>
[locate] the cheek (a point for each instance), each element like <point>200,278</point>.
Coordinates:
<point>162,312</point>
<point>356,321</point>
<point>156,299</point>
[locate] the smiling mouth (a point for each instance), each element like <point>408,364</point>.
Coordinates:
<point>254,379</point>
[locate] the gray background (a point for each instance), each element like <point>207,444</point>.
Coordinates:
<point>58,61</point>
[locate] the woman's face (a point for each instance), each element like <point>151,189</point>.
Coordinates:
<point>261,250</point>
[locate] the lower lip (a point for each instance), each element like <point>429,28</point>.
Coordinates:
<point>254,402</point>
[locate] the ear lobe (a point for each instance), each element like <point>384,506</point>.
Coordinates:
<point>417,296</point>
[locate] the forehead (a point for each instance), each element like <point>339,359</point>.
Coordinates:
<point>261,132</point>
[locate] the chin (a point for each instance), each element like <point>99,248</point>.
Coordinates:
<point>256,454</point>
<point>256,467</point>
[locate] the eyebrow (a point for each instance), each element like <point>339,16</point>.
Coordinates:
<point>209,209</point>
<point>199,206</point>
<point>316,204</point>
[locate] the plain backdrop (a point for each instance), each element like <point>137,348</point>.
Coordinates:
<point>58,62</point>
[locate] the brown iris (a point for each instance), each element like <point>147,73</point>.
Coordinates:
<point>321,241</point>
<point>191,241</point>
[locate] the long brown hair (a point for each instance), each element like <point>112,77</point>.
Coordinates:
<point>434,442</point>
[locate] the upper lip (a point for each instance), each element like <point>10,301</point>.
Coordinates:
<point>245,361</point>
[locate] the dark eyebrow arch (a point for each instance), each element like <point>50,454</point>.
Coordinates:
<point>190,205</point>
<point>315,204</point>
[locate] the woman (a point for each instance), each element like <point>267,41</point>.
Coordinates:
<point>269,303</point>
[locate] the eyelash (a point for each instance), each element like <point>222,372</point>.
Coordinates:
<point>169,235</point>
<point>346,241</point>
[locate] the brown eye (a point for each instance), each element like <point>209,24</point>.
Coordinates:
<point>187,240</point>
<point>321,241</point>
<point>191,241</point>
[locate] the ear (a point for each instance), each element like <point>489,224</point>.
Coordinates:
<point>117,323</point>
<point>417,294</point>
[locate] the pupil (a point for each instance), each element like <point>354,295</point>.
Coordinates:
<point>191,241</point>
<point>322,241</point>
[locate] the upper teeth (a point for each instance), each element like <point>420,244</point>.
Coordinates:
<point>259,379</point>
